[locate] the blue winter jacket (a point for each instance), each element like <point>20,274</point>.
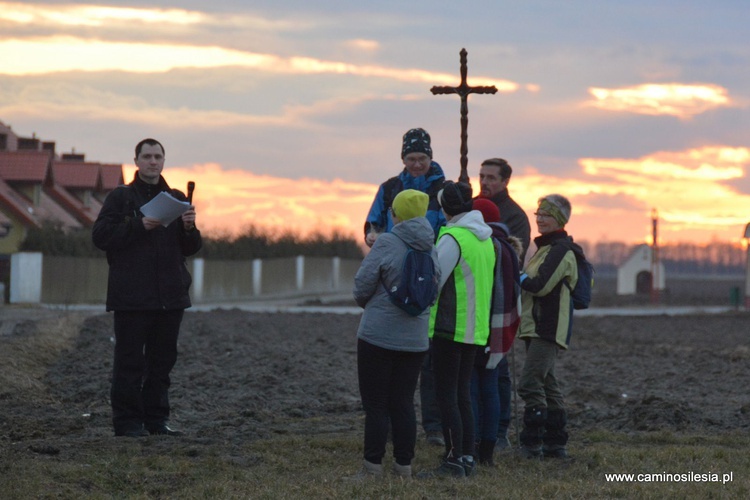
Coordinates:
<point>379,218</point>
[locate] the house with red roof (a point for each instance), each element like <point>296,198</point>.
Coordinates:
<point>36,186</point>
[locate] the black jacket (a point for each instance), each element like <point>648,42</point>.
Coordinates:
<point>147,269</point>
<point>513,216</point>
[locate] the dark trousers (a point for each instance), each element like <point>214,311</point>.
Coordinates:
<point>505,391</point>
<point>387,382</point>
<point>145,353</point>
<point>485,403</point>
<point>427,398</point>
<point>454,364</point>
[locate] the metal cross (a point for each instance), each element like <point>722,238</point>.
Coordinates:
<point>463,91</point>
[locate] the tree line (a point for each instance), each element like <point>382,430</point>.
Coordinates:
<point>253,243</point>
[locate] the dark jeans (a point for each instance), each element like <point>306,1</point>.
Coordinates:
<point>430,410</point>
<point>387,382</point>
<point>485,402</point>
<point>454,363</point>
<point>505,391</point>
<point>145,353</point>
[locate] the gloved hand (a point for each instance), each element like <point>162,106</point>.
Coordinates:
<point>494,360</point>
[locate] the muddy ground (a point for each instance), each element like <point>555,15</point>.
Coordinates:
<point>243,376</point>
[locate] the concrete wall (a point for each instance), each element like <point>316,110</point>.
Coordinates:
<point>72,280</point>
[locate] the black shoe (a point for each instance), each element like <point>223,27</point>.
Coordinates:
<point>448,468</point>
<point>162,430</point>
<point>131,432</point>
<point>557,452</point>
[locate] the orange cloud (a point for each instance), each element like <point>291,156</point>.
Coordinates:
<point>42,55</point>
<point>675,99</point>
<point>92,15</point>
<point>612,198</point>
<point>227,201</point>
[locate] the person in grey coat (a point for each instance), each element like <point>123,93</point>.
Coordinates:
<point>391,343</point>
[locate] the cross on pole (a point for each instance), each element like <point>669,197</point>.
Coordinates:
<point>463,91</point>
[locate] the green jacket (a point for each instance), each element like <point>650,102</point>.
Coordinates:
<point>546,303</point>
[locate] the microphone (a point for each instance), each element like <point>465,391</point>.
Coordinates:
<point>191,188</point>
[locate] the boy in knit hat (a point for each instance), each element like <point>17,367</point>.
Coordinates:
<point>420,173</point>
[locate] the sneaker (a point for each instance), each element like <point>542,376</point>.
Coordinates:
<point>369,470</point>
<point>435,438</point>
<point>401,470</point>
<point>450,467</point>
<point>469,464</point>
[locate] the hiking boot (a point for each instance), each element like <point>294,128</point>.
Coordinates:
<point>450,467</point>
<point>435,438</point>
<point>369,470</point>
<point>531,452</point>
<point>557,452</point>
<point>401,470</point>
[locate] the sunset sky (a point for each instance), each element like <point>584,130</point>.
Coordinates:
<point>290,113</point>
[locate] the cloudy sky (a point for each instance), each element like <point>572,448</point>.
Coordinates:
<point>290,113</point>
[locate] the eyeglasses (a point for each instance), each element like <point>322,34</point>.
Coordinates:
<point>540,215</point>
<point>422,160</point>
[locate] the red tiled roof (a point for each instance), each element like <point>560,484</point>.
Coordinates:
<point>27,166</point>
<point>13,202</point>
<point>71,204</point>
<point>77,174</point>
<point>49,209</point>
<point>111,176</point>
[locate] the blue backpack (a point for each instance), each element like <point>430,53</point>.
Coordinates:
<point>580,295</point>
<point>417,287</point>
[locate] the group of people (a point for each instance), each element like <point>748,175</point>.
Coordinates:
<point>456,349</point>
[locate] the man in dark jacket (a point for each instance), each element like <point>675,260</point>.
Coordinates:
<point>148,292</point>
<point>494,176</point>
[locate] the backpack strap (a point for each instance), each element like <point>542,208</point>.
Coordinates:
<point>407,250</point>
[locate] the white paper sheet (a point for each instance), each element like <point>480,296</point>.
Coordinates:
<point>165,207</point>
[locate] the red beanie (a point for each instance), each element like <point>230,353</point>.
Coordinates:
<point>489,210</point>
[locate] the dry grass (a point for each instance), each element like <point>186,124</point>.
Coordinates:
<point>313,464</point>
<point>315,467</point>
